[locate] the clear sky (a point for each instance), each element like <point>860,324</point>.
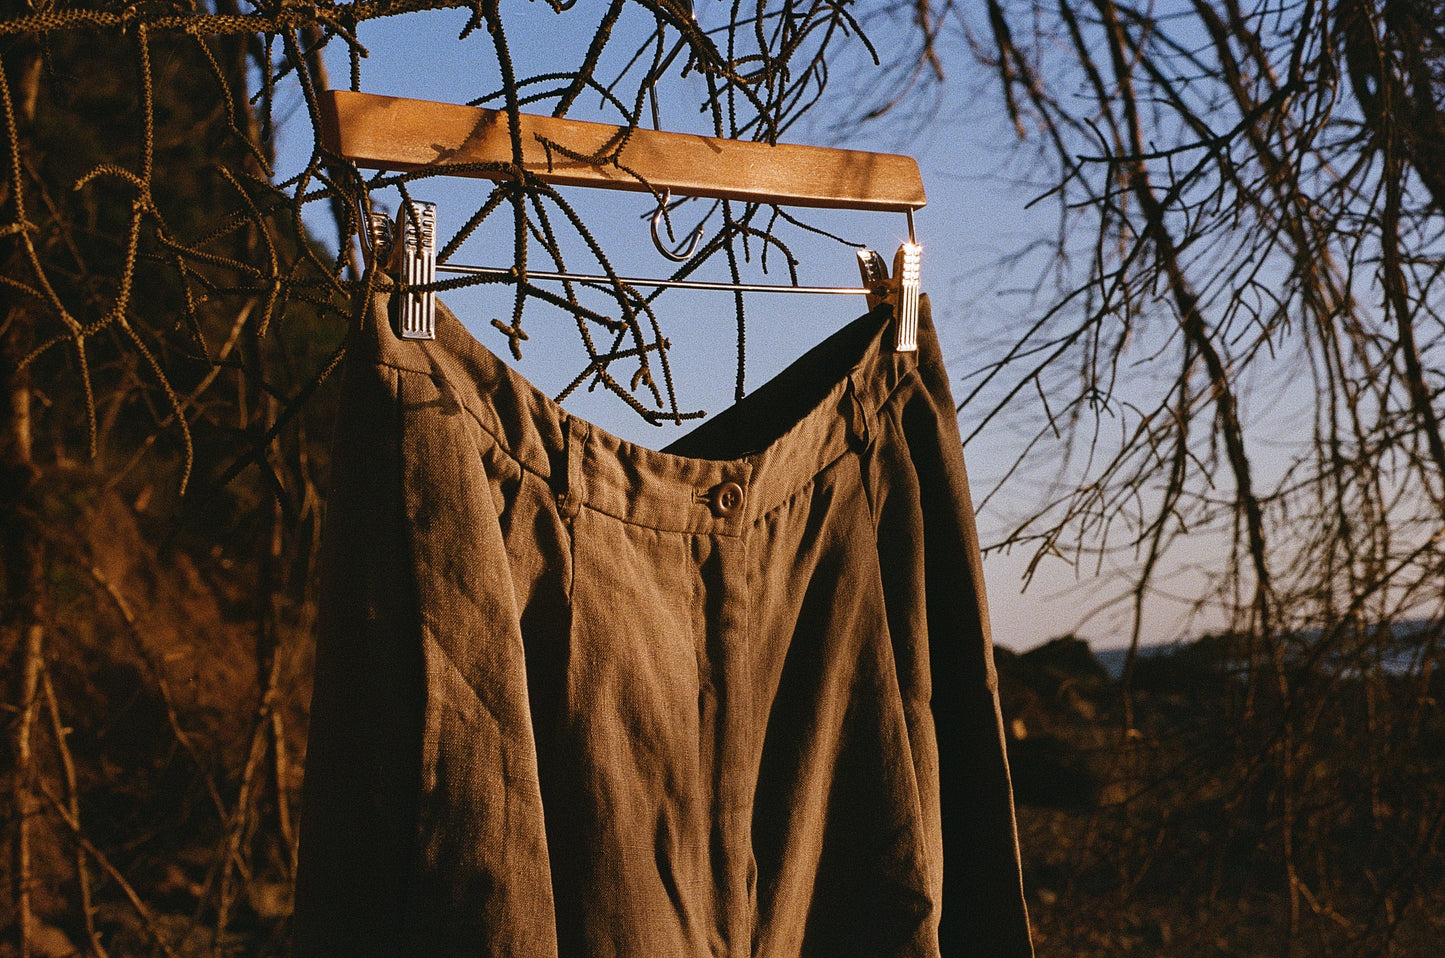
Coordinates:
<point>976,214</point>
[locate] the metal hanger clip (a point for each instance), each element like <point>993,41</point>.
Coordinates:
<point>414,262</point>
<point>901,292</point>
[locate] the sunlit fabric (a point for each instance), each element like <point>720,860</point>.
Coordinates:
<point>575,697</point>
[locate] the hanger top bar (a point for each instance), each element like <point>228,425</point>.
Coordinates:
<point>392,133</point>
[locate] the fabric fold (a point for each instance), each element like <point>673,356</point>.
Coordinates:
<point>577,697</point>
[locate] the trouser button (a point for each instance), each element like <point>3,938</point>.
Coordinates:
<point>727,499</point>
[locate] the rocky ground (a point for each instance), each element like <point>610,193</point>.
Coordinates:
<point>1156,823</point>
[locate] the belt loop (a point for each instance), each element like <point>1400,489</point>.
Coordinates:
<point>569,497</point>
<point>860,415</point>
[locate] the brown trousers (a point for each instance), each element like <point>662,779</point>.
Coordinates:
<point>576,698</point>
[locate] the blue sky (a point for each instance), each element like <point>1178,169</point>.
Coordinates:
<point>977,214</point>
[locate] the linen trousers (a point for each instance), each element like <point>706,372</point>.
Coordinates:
<point>576,698</point>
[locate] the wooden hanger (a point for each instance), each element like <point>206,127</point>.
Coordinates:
<point>397,134</point>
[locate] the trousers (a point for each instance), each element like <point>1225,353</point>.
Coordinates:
<point>577,698</point>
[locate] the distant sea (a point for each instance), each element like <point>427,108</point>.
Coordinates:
<point>1113,659</point>
<point>1408,639</point>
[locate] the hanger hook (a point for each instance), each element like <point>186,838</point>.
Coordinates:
<point>659,217</point>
